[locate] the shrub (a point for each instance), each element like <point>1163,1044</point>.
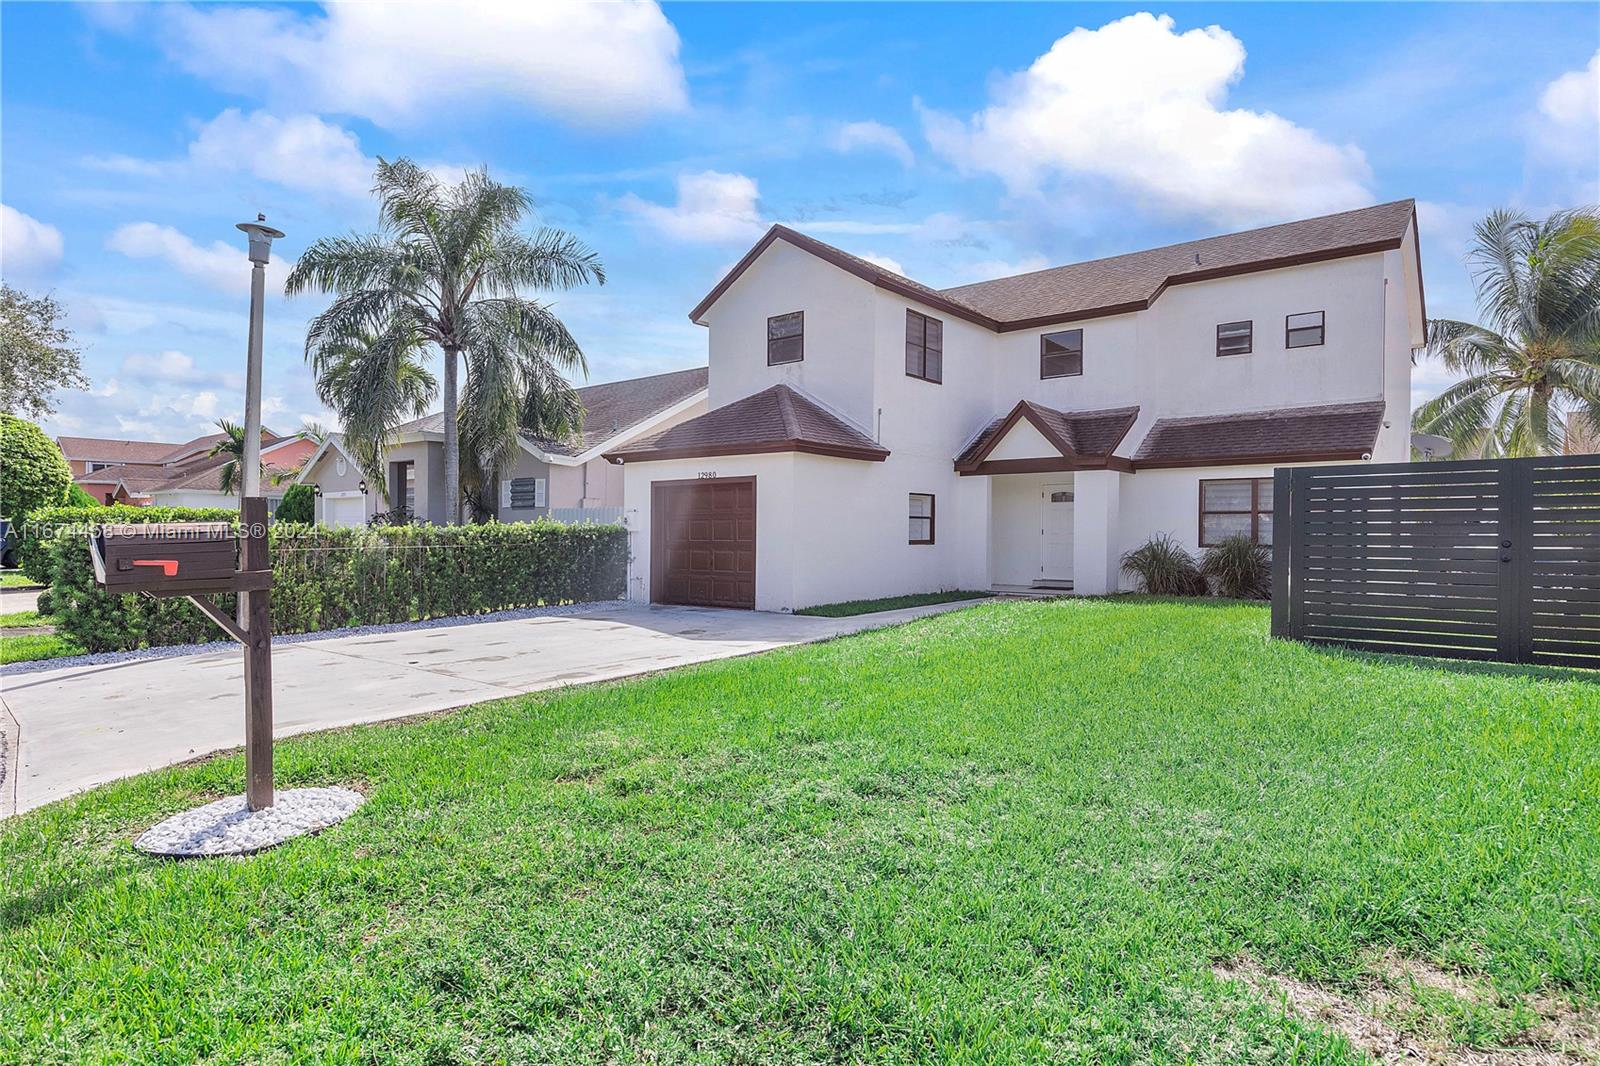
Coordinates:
<point>1239,569</point>
<point>33,473</point>
<point>299,504</point>
<point>326,578</point>
<point>1164,568</point>
<point>78,497</point>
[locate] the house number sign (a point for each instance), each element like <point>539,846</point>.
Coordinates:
<point>706,475</point>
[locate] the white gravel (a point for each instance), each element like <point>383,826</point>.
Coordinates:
<point>226,827</point>
<point>168,652</point>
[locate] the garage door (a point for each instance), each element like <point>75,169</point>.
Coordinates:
<point>704,542</point>
<point>344,510</point>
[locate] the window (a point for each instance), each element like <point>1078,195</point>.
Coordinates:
<point>1236,507</point>
<point>921,518</point>
<point>1303,330</point>
<point>1061,354</point>
<point>924,347</point>
<point>1234,338</point>
<point>786,338</point>
<point>523,493</point>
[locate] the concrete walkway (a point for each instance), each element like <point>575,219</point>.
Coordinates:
<point>62,731</point>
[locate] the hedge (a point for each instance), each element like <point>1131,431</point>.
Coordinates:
<point>326,578</point>
<point>33,473</point>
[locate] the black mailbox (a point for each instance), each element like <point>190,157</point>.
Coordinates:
<point>177,558</point>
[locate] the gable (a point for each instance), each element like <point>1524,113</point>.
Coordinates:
<point>1024,441</point>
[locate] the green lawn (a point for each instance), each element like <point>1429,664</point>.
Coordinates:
<point>24,618</point>
<point>1021,832</point>
<point>889,603</point>
<point>11,579</point>
<point>28,647</point>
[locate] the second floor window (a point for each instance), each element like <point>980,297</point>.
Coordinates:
<point>1061,354</point>
<point>924,347</point>
<point>786,335</point>
<point>1304,330</point>
<point>1234,338</point>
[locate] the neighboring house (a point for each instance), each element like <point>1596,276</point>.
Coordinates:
<point>153,473</point>
<point>563,479</point>
<point>870,436</point>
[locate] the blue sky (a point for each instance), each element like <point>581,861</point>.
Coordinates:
<point>952,141</point>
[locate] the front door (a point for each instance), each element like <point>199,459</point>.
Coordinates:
<point>1056,528</point>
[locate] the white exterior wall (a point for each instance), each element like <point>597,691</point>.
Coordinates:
<point>848,538</point>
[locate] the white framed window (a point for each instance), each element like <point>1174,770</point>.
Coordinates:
<point>1305,330</point>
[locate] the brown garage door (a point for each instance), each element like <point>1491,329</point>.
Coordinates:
<point>703,537</point>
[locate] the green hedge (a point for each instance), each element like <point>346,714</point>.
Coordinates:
<point>331,578</point>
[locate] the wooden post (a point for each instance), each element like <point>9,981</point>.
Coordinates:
<point>255,618</point>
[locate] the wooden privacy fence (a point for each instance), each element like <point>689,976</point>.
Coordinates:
<point>1487,559</point>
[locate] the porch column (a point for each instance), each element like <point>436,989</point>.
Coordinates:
<point>1097,501</point>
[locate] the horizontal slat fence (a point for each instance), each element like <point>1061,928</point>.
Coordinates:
<point>1472,559</point>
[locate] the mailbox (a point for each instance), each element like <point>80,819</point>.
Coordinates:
<point>176,558</point>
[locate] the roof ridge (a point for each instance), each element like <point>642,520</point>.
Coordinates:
<point>1175,244</point>
<point>791,424</point>
<point>1258,412</point>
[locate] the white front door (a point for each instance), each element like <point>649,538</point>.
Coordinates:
<point>1056,527</point>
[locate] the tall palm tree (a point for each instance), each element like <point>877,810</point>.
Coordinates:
<point>1536,363</point>
<point>449,268</point>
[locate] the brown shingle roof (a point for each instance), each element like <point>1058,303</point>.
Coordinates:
<point>1121,283</point>
<point>778,419</point>
<point>1080,434</point>
<point>107,450</point>
<point>1328,433</point>
<point>610,408</point>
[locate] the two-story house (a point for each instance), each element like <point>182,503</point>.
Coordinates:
<point>868,435</point>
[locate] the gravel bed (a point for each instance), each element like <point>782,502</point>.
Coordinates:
<point>171,651</point>
<point>227,827</point>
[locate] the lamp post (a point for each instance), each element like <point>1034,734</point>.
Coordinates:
<point>255,607</point>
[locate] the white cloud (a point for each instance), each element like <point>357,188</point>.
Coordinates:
<point>990,269</point>
<point>1565,135</point>
<point>1141,107</point>
<point>221,265</point>
<point>886,263</point>
<point>27,246</point>
<point>1572,101</point>
<point>298,152</point>
<point>402,63</point>
<point>712,208</point>
<point>873,136</point>
<point>175,368</point>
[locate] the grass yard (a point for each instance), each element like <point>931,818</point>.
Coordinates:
<point>1059,831</point>
<point>15,579</point>
<point>29,647</point>
<point>890,603</point>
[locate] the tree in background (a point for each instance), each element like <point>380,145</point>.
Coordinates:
<point>1535,366</point>
<point>232,446</point>
<point>450,268</point>
<point>37,356</point>
<point>299,504</point>
<point>33,472</point>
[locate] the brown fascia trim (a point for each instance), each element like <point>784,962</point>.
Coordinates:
<point>1049,466</point>
<point>885,280</point>
<point>1251,460</point>
<point>1029,410</point>
<point>706,451</point>
<point>828,253</point>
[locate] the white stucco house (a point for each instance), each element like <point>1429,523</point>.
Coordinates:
<point>565,479</point>
<point>869,436</point>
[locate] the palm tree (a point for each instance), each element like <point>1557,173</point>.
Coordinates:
<point>448,269</point>
<point>232,445</point>
<point>1536,364</point>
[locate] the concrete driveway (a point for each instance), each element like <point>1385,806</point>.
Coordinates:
<point>65,730</point>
